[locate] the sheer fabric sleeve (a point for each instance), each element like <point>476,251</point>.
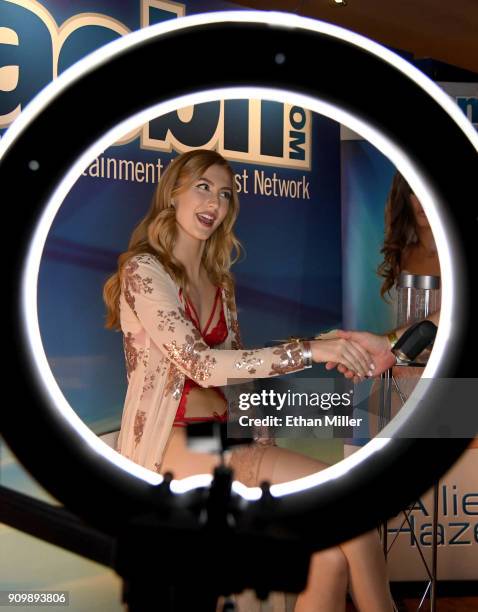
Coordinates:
<point>153,297</point>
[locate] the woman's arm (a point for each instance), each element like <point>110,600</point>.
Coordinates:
<point>379,346</point>
<point>153,297</point>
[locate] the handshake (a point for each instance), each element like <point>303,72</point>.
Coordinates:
<point>358,354</point>
<point>355,354</point>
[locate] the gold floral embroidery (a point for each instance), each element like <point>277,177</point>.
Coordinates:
<point>188,356</point>
<point>291,358</point>
<point>133,356</point>
<point>174,383</point>
<point>249,363</point>
<point>236,343</point>
<point>139,422</point>
<point>134,282</point>
<point>167,319</point>
<point>148,383</point>
<point>130,353</point>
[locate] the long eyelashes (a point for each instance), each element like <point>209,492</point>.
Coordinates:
<point>227,195</point>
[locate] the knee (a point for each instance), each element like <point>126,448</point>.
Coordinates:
<point>331,563</point>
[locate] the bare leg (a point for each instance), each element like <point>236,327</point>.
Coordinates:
<point>327,581</point>
<point>368,573</point>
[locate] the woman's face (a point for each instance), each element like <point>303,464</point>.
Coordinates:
<point>418,212</point>
<point>202,207</point>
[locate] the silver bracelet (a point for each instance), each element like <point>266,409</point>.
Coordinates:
<point>307,354</point>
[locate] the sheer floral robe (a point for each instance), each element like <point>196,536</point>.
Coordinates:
<point>162,346</point>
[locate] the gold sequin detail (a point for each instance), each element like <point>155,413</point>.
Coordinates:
<point>291,358</point>
<point>174,383</point>
<point>249,363</point>
<point>188,355</point>
<point>139,422</point>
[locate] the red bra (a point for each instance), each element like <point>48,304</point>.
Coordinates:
<point>217,335</point>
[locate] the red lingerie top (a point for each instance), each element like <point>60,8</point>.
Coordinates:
<point>217,335</point>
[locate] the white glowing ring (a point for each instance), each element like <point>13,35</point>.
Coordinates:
<point>118,486</point>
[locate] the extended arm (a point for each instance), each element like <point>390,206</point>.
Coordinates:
<point>379,346</point>
<point>152,295</point>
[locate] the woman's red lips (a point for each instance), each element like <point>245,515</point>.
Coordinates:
<point>206,218</point>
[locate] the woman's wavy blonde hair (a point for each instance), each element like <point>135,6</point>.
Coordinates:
<point>156,232</point>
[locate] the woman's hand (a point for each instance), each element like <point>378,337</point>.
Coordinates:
<point>346,352</point>
<point>377,346</point>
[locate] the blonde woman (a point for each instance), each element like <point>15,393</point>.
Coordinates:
<point>173,299</point>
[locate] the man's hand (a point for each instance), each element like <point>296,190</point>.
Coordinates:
<point>377,346</point>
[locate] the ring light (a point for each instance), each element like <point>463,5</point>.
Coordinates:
<point>40,161</point>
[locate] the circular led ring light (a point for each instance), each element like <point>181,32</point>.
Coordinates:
<point>86,108</point>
